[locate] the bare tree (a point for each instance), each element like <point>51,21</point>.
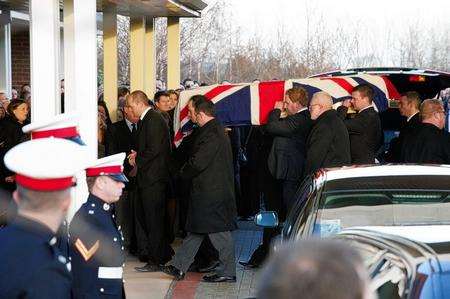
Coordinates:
<point>213,48</point>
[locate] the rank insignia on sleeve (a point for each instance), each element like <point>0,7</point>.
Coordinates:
<point>86,253</point>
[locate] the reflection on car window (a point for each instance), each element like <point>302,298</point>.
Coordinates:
<point>390,279</point>
<point>339,210</point>
<point>388,273</point>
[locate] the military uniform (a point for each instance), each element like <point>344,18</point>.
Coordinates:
<point>96,244</point>
<point>96,251</point>
<point>31,265</point>
<point>60,126</point>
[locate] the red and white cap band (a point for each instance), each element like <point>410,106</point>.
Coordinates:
<point>45,184</point>
<point>105,170</point>
<point>59,133</point>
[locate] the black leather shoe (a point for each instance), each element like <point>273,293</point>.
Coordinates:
<point>217,278</point>
<point>211,267</point>
<point>173,271</point>
<point>250,264</point>
<point>148,268</point>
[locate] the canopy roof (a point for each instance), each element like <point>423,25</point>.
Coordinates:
<point>151,8</point>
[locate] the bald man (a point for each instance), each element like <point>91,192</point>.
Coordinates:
<point>328,144</point>
<point>428,142</point>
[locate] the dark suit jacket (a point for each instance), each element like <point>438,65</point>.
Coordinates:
<point>120,139</point>
<point>395,148</point>
<point>328,143</point>
<point>212,206</point>
<point>287,155</point>
<point>365,134</point>
<point>426,144</point>
<point>153,150</point>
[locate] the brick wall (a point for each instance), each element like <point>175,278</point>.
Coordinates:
<point>20,58</point>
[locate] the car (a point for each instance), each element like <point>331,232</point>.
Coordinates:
<point>365,195</point>
<point>428,83</point>
<point>404,261</point>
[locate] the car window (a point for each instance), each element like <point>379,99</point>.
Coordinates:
<point>300,229</point>
<point>339,210</point>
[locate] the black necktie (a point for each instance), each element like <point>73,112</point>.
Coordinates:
<point>133,128</point>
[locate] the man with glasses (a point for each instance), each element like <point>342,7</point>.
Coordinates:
<point>364,129</point>
<point>328,143</point>
<point>428,142</point>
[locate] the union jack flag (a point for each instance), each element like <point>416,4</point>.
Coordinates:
<point>250,103</point>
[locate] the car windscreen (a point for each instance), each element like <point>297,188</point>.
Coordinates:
<point>381,201</point>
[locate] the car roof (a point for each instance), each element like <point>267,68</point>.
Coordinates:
<point>357,171</point>
<point>420,233</point>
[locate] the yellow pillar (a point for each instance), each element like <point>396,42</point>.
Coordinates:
<point>110,60</point>
<point>173,52</point>
<point>150,58</point>
<point>137,53</point>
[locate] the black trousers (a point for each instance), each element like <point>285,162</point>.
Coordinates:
<point>289,190</point>
<point>271,190</point>
<point>125,212</point>
<point>152,239</point>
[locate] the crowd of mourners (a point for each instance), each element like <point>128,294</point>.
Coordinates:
<point>198,190</point>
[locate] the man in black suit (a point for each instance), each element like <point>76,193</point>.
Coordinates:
<point>121,137</point>
<point>409,105</point>
<point>151,159</point>
<point>287,156</point>
<point>328,144</point>
<point>212,207</point>
<point>365,128</point>
<point>428,142</point>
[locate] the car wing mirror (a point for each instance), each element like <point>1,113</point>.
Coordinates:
<point>266,219</point>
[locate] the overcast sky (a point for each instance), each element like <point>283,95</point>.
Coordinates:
<point>374,20</point>
<point>264,15</point>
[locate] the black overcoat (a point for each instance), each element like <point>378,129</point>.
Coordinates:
<point>328,143</point>
<point>212,206</point>
<point>426,143</point>
<point>288,153</point>
<point>365,134</point>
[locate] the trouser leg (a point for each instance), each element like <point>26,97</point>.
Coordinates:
<point>206,254</point>
<point>153,200</point>
<point>289,189</point>
<point>123,216</point>
<point>224,243</point>
<point>140,226</point>
<point>184,256</point>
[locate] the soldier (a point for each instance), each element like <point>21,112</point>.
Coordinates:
<point>60,126</point>
<point>31,265</point>
<point>96,247</point>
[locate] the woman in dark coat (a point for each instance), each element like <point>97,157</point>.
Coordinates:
<point>10,135</point>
